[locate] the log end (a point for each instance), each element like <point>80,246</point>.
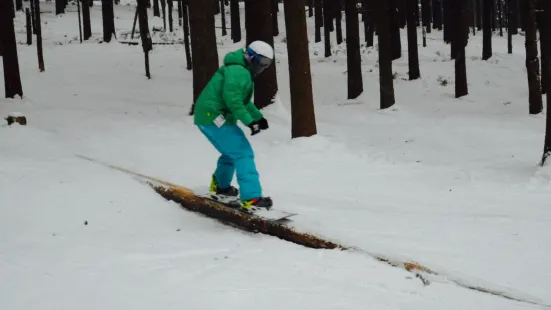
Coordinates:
<point>16,118</point>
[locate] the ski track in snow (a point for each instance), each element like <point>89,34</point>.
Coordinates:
<point>452,184</point>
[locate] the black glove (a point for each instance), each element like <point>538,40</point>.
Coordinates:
<point>263,123</point>
<point>258,126</point>
<point>255,127</point>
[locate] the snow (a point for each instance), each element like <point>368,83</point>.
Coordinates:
<point>453,184</point>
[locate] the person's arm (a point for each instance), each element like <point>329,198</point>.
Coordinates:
<point>233,93</point>
<point>254,111</point>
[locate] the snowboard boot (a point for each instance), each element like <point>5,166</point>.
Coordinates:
<point>257,203</point>
<point>217,191</point>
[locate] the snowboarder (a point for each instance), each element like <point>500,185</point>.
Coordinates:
<point>225,100</point>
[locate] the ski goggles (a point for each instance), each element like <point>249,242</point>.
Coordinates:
<point>258,62</point>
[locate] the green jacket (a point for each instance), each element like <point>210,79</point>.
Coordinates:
<point>228,93</point>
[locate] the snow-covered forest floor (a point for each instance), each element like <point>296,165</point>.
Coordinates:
<point>453,184</point>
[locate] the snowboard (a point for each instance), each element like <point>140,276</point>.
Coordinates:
<point>271,215</point>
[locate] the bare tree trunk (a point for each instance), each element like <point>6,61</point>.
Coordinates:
<point>385,56</point>
<point>275,23</point>
<point>300,79</point>
<point>437,14</point>
<point>547,69</point>
<point>156,11</point>
<point>18,5</point>
<point>532,61</point>
<point>461,30</point>
<point>185,13</point>
<point>203,45</point>
<point>318,19</point>
<point>510,26</point>
<point>395,40</point>
<point>487,29</point>
<point>108,17</point>
<point>180,12</point>
<point>59,7</point>
<point>426,14</point>
<point>540,21</point>
<point>413,50</point>
<point>235,21</point>
<point>223,15</point>
<point>8,50</point>
<point>38,23</point>
<point>29,26</point>
<point>353,58</point>
<point>369,22</point>
<point>163,8</point>
<point>79,21</point>
<point>327,26</point>
<point>259,27</point>
<point>338,21</point>
<point>170,19</point>
<point>86,24</point>
<point>147,45</point>
<point>33,16</point>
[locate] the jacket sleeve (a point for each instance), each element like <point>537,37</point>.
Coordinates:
<point>234,93</point>
<point>253,110</point>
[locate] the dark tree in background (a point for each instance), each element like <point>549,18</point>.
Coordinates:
<point>203,44</point>
<point>18,5</point>
<point>487,9</point>
<point>223,14</point>
<point>86,24</point>
<point>369,21</point>
<point>327,27</point>
<point>187,46</point>
<point>437,14</point>
<point>275,24</point>
<point>354,58</point>
<point>38,24</point>
<point>59,7</point>
<point>413,50</point>
<point>108,17</point>
<point>547,69</point>
<point>258,19</point>
<point>8,50</point>
<point>300,79</point>
<point>385,57</point>
<point>147,45</point>
<point>156,11</point>
<point>460,38</point>
<point>532,61</point>
<point>318,22</point>
<point>541,21</point>
<point>395,40</point>
<point>235,21</point>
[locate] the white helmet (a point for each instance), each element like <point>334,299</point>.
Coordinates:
<point>259,56</point>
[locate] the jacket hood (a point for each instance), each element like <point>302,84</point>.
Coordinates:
<point>236,58</point>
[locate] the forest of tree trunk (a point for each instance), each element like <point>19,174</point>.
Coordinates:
<point>8,50</point>
<point>86,23</point>
<point>547,69</point>
<point>460,39</point>
<point>532,61</point>
<point>386,80</point>
<point>487,9</point>
<point>235,21</point>
<point>353,57</point>
<point>413,50</point>
<point>108,18</point>
<point>258,19</point>
<point>203,44</point>
<point>147,45</point>
<point>303,123</point>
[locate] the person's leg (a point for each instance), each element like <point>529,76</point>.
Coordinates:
<point>232,142</point>
<point>225,167</point>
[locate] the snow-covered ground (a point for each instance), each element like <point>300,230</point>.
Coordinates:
<point>453,184</point>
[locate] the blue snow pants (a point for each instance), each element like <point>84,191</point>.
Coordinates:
<point>237,157</point>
